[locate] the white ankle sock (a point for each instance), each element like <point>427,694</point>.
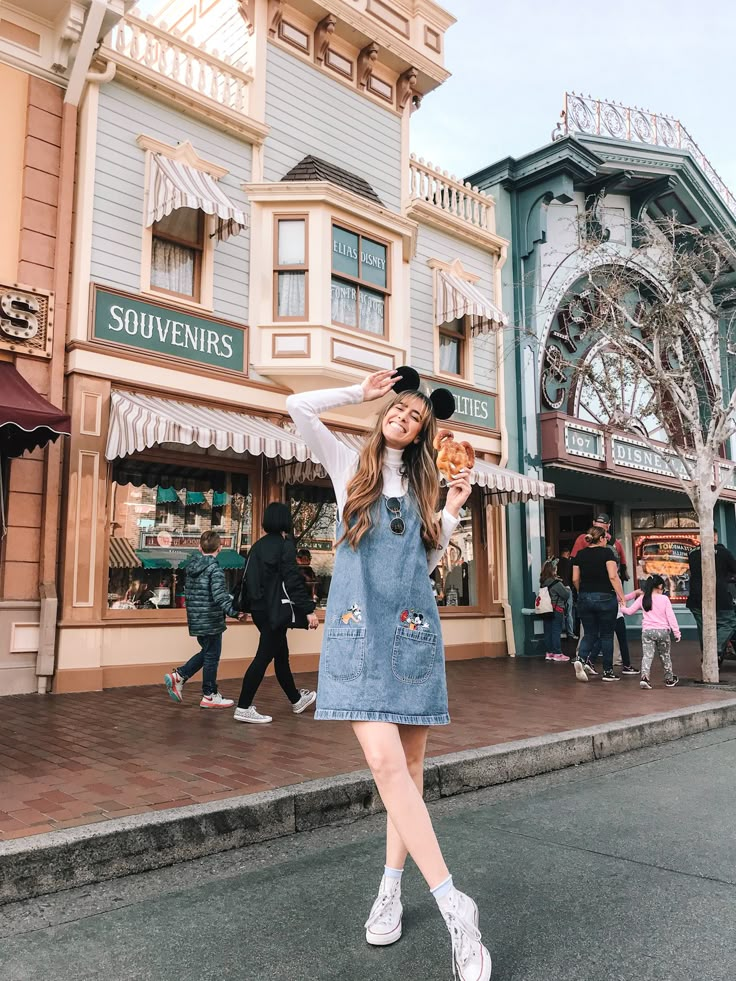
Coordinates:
<point>443,891</point>
<point>389,873</point>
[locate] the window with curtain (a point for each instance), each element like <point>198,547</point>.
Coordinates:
<point>177,244</point>
<point>452,341</point>
<point>290,268</point>
<point>360,283</point>
<point>148,556</point>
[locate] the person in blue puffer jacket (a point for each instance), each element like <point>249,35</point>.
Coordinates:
<point>208,602</point>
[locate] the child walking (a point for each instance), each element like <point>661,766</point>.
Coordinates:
<point>207,601</point>
<point>657,621</point>
<point>559,594</point>
<point>382,664</point>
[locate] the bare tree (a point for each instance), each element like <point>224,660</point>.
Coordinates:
<point>663,316</point>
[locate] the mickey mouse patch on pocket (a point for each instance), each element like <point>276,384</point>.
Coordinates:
<point>413,619</point>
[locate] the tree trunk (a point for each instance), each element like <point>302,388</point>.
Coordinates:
<point>708,565</point>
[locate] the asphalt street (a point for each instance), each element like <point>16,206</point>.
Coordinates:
<point>616,870</point>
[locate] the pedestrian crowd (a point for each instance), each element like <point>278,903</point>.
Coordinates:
<point>581,596</point>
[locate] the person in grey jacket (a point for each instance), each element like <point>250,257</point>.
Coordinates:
<point>208,601</point>
<point>559,594</point>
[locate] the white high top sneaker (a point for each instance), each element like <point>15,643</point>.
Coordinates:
<point>383,926</point>
<point>470,959</point>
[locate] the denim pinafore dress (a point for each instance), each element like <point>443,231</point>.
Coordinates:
<point>382,656</point>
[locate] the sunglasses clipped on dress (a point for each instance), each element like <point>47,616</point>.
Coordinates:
<point>393,506</point>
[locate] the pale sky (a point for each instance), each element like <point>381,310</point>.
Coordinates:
<point>512,62</point>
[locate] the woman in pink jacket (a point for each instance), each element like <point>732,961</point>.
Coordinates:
<point>657,621</point>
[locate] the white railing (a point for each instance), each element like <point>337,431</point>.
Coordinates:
<point>449,194</point>
<point>595,117</point>
<point>168,54</point>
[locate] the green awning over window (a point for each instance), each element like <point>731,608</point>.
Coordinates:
<point>230,559</point>
<point>151,562</point>
<point>166,495</point>
<point>220,499</point>
<point>195,497</point>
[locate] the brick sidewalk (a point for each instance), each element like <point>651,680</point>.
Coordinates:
<point>76,759</point>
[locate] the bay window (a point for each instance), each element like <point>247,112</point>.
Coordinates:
<point>290,268</point>
<point>360,281</point>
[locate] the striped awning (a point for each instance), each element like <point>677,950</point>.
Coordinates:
<point>138,422</point>
<point>174,184</point>
<point>504,486</point>
<point>455,297</point>
<point>499,485</point>
<point>122,555</point>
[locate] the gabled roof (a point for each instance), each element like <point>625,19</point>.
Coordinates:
<point>313,169</point>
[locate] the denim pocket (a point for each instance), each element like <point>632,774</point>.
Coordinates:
<point>344,652</point>
<point>413,655</point>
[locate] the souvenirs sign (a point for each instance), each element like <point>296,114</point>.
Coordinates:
<point>137,323</point>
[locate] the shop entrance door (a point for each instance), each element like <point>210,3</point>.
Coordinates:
<point>564,521</point>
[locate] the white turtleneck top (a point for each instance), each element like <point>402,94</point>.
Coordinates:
<point>341,461</point>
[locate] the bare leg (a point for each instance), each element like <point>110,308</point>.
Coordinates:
<point>384,752</point>
<point>414,742</point>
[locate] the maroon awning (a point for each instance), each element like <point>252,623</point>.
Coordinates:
<point>27,420</point>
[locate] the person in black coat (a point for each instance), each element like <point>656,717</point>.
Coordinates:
<point>275,595</point>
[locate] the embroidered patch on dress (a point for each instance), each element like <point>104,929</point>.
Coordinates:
<point>413,619</point>
<point>353,615</point>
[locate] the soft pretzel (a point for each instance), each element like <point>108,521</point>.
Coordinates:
<point>452,456</point>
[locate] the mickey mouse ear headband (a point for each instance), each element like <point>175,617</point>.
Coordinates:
<point>441,399</point>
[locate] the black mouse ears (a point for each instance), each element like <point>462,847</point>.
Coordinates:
<point>442,399</point>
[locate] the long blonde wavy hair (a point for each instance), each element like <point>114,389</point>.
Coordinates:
<point>420,467</point>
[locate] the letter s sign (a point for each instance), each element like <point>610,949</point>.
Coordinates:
<point>20,310</point>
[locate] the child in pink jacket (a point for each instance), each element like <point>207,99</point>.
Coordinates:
<point>658,619</point>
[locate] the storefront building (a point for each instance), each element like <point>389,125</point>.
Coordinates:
<point>45,53</point>
<point>607,165</point>
<point>250,223</point>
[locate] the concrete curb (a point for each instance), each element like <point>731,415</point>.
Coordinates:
<point>58,860</point>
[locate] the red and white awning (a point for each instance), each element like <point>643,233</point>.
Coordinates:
<point>455,298</point>
<point>174,184</point>
<point>138,422</point>
<point>499,485</point>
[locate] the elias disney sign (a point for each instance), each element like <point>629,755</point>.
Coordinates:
<point>146,326</point>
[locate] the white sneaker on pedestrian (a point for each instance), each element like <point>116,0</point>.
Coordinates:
<point>579,670</point>
<point>470,959</point>
<point>305,701</point>
<point>383,926</point>
<point>174,685</point>
<point>216,701</point>
<point>251,714</point>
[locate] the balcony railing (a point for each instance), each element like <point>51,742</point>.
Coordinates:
<point>176,59</point>
<point>594,117</point>
<point>450,195</point>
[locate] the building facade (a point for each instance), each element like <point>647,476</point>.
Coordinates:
<point>249,222</point>
<point>45,54</point>
<point>606,165</point>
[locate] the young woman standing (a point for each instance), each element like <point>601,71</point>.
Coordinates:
<point>382,664</point>
<point>595,577</point>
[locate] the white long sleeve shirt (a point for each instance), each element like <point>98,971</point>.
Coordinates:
<point>341,461</point>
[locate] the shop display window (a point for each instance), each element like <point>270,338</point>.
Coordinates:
<point>158,512</point>
<point>314,514</point>
<point>664,519</point>
<point>455,580</point>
